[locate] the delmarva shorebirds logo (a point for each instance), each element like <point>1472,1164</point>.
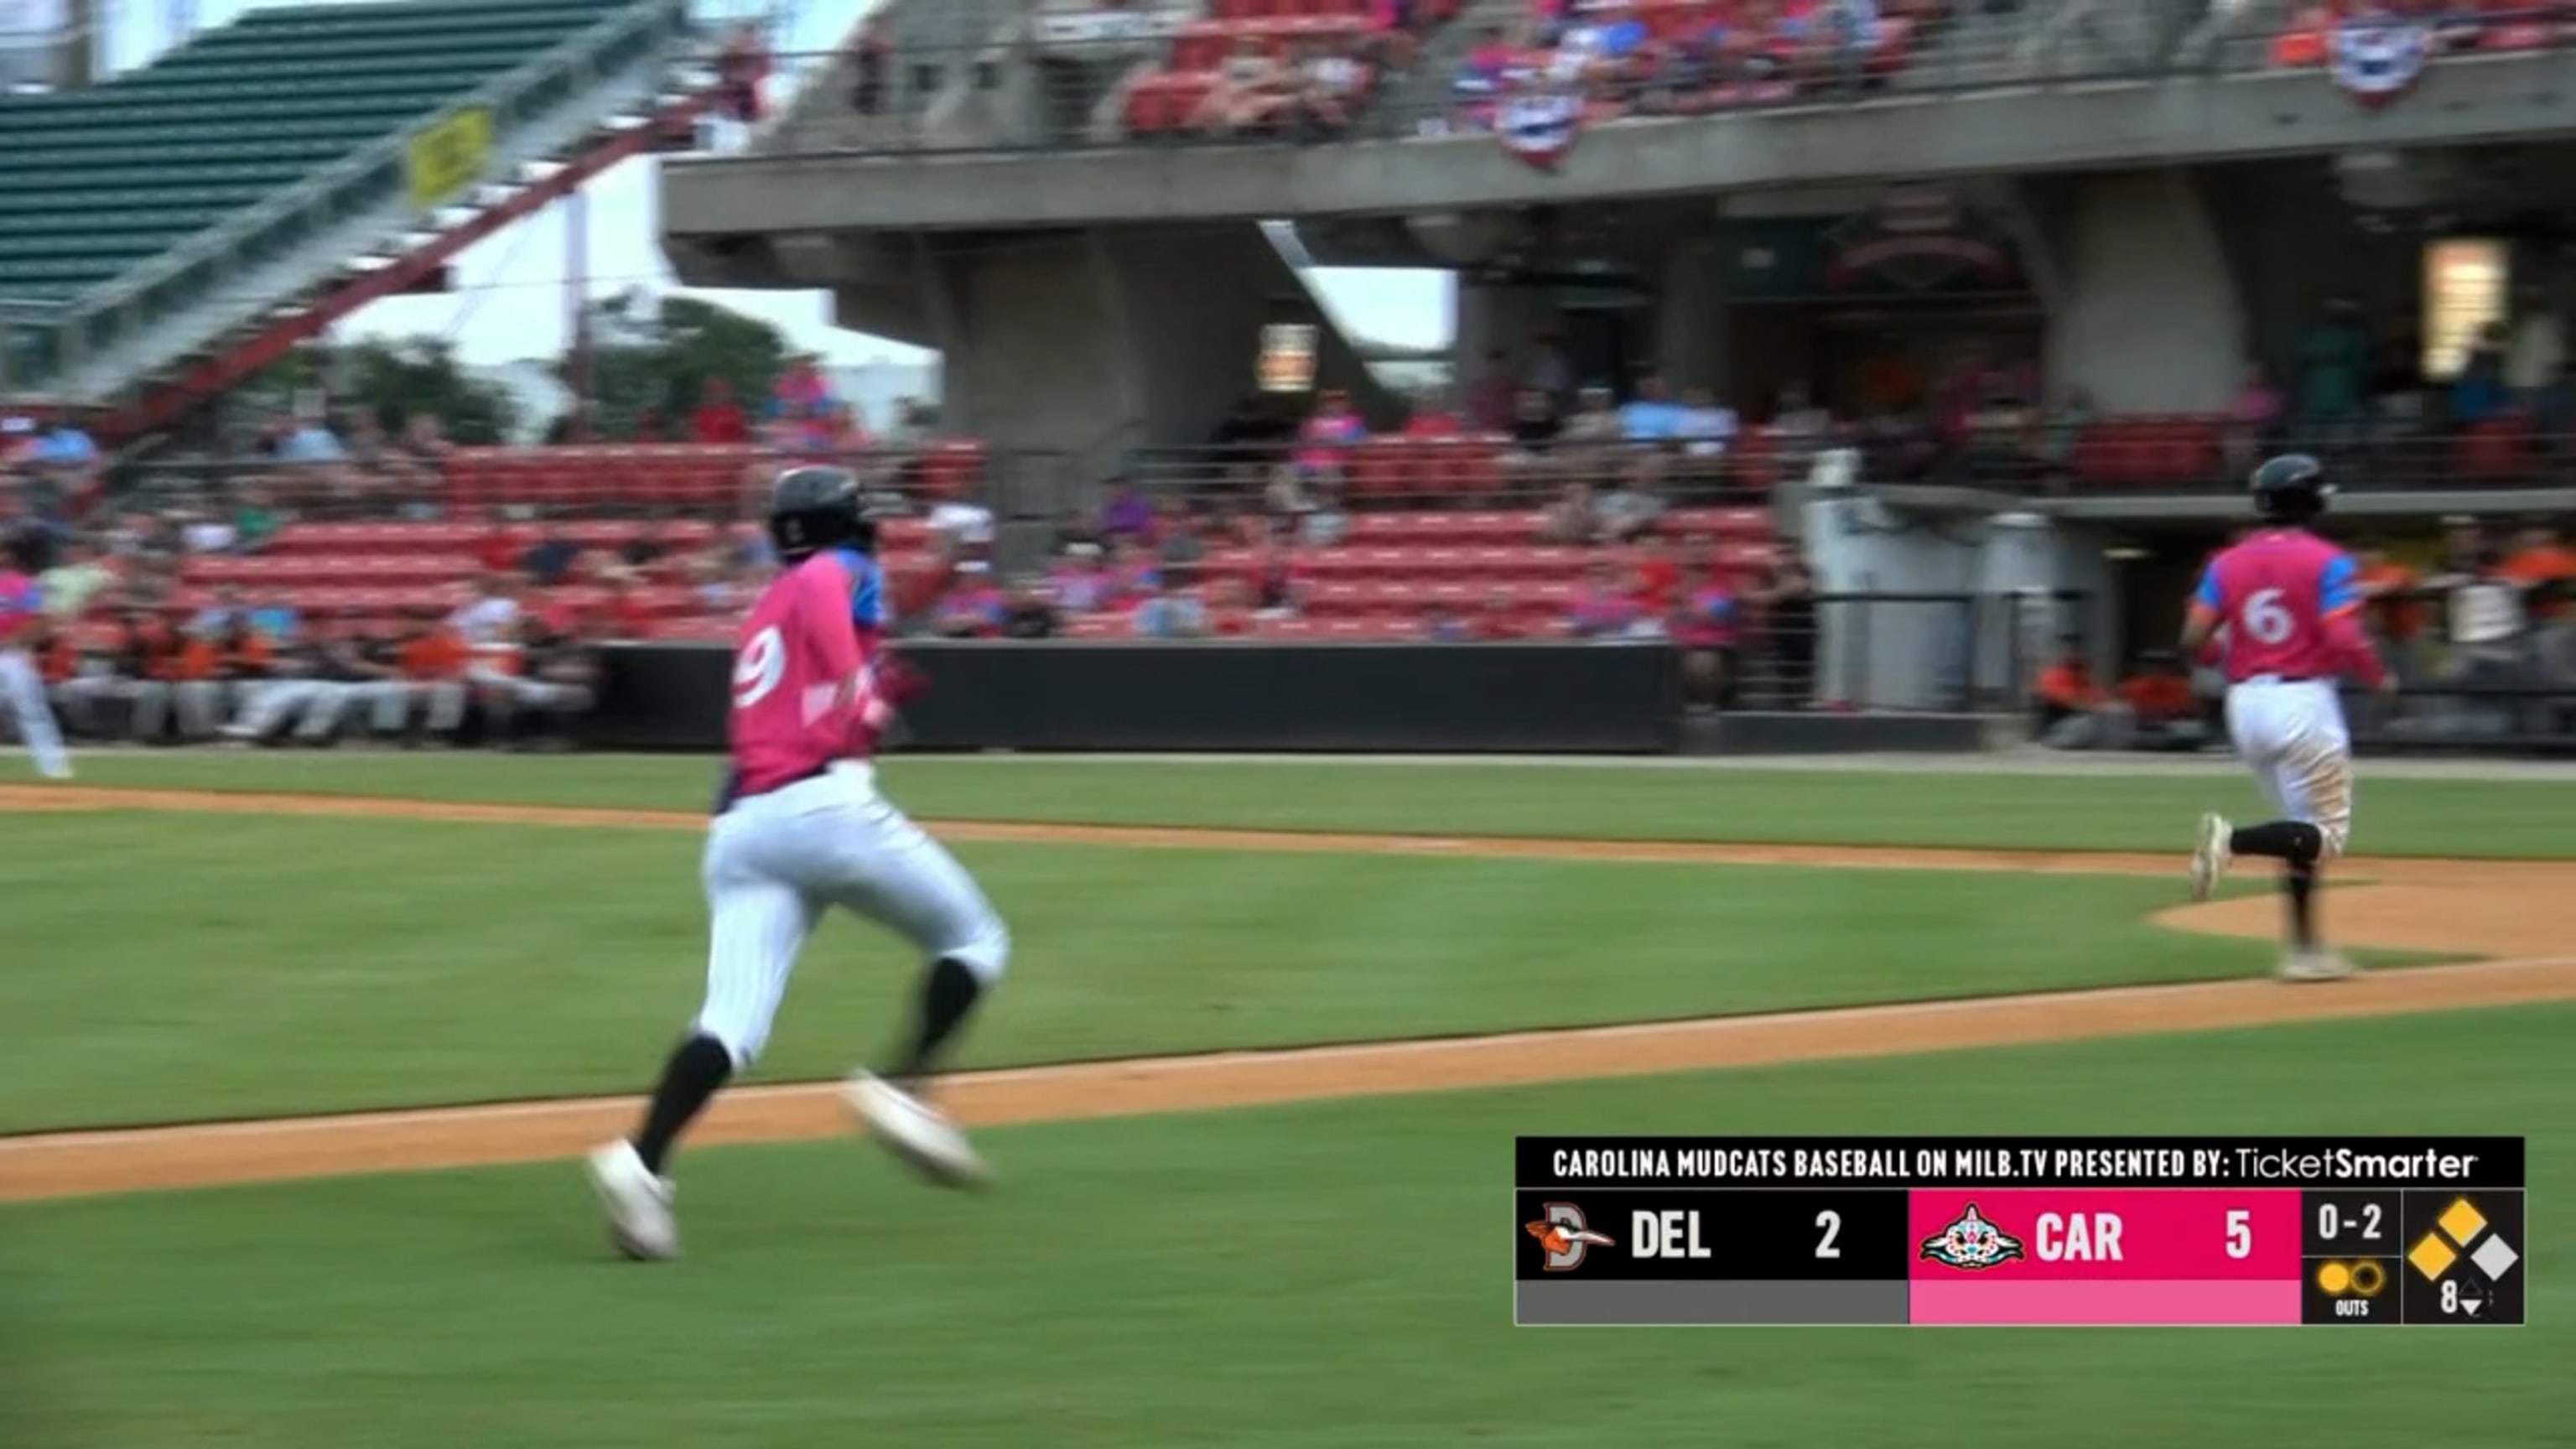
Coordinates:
<point>1971,1243</point>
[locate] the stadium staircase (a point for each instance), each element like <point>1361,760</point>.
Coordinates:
<point>177,229</point>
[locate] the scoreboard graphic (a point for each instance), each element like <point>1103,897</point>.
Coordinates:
<point>2018,1231</point>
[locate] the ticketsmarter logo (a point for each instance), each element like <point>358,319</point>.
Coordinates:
<point>1971,1243</point>
<point>1566,1236</point>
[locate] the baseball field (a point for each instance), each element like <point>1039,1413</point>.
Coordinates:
<point>300,1046</point>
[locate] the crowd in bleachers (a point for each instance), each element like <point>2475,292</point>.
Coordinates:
<point>1300,68</point>
<point>2454,26</point>
<point>1673,57</point>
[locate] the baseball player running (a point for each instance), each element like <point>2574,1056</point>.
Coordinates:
<point>799,826</point>
<point>2289,604</point>
<point>22,625</point>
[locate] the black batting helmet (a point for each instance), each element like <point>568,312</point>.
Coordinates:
<point>2291,488</point>
<point>815,508</point>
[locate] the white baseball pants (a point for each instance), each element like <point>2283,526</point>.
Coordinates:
<point>2291,734</point>
<point>269,704</point>
<point>774,862</point>
<point>22,693</point>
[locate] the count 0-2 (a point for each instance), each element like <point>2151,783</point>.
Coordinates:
<point>2331,1223</point>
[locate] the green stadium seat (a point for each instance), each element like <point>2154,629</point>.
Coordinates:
<point>104,179</point>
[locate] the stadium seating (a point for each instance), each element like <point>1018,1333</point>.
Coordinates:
<point>1164,101</point>
<point>102,180</point>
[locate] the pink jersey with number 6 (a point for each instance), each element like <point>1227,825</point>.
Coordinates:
<point>2279,593</point>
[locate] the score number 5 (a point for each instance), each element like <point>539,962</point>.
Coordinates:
<point>2240,1233</point>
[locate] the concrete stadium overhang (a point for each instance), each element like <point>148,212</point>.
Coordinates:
<point>2099,126</point>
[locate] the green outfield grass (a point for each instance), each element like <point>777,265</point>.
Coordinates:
<point>174,966</point>
<point>1323,1275</point>
<point>2062,812</point>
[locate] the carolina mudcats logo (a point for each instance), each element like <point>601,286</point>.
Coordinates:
<point>1971,1243</point>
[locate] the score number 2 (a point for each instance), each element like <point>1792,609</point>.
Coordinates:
<point>1830,1224</point>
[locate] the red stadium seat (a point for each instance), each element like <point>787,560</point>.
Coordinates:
<point>2494,451</point>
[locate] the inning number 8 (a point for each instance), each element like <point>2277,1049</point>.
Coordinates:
<point>2266,620</point>
<point>759,667</point>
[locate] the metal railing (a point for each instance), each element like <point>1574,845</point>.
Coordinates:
<point>41,341</point>
<point>2213,455</point>
<point>1122,77</point>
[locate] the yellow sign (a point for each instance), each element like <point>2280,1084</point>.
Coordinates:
<point>449,156</point>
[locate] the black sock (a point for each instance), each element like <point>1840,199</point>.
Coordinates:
<point>2299,883</point>
<point>689,1079</point>
<point>948,993</point>
<point>2293,840</point>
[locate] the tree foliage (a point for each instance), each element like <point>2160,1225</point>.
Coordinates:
<point>657,353</point>
<point>402,376</point>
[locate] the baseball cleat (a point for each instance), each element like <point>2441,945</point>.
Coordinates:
<point>915,1132</point>
<point>638,1204</point>
<point>2316,964</point>
<point>2210,857</point>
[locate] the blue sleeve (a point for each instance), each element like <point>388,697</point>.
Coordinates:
<point>867,590</point>
<point>2339,587</point>
<point>2207,595</point>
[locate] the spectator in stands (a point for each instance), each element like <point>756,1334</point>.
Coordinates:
<point>1533,430</point>
<point>971,607</point>
<point>800,407</point>
<point>1702,624</point>
<point>1280,579</point>
<point>2480,393</point>
<point>1628,510</point>
<point>1125,514</point>
<point>2160,709</point>
<point>1252,91</point>
<point>1327,439</point>
<point>1229,607</point>
<point>557,683</point>
<point>1604,606</point>
<point>2334,362</point>
<point>1394,32</point>
<point>1573,518</point>
<point>79,576</point>
<point>1327,79</point>
<point>433,660</point>
<point>2394,619</point>
<point>255,521</point>
<point>871,64</point>
<point>114,668</point>
<point>741,70</point>
<point>1030,615</point>
<point>491,616</point>
<point>718,421</point>
<point>1787,599</point>
<point>1080,584</point>
<point>961,528</point>
<point>552,561</point>
<point>1178,547</point>
<point>1707,427</point>
<point>1651,417</point>
<point>1170,613</point>
<point>2069,703</point>
<point>1483,78</point>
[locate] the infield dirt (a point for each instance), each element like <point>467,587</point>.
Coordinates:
<point>2500,910</point>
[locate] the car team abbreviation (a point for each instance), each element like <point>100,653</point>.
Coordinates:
<point>1901,1165</point>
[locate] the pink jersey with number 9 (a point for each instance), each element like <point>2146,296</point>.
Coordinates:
<point>2274,593</point>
